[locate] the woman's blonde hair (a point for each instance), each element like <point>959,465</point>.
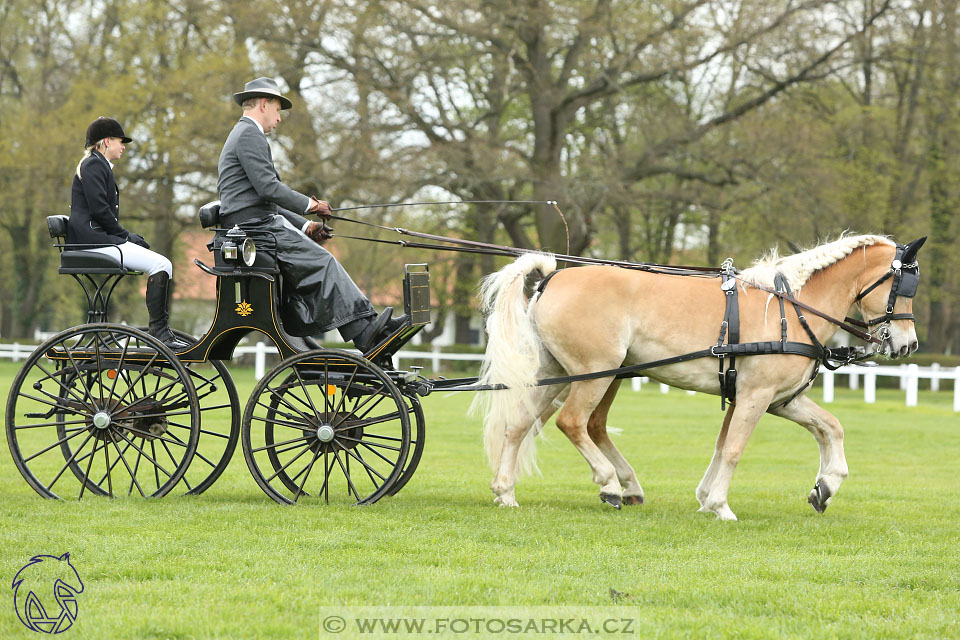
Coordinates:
<point>86,154</point>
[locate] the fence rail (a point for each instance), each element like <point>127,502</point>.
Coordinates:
<point>909,375</point>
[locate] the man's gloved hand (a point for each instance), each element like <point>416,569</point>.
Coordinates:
<point>136,238</point>
<point>319,232</point>
<point>319,207</point>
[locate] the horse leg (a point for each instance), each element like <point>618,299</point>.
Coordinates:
<point>703,489</point>
<point>746,413</point>
<point>597,429</point>
<point>572,421</point>
<point>829,435</point>
<point>505,479</point>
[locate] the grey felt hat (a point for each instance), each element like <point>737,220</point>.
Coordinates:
<point>262,88</point>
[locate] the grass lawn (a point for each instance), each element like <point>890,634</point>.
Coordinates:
<point>883,561</point>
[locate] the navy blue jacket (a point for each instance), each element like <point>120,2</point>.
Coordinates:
<point>95,205</point>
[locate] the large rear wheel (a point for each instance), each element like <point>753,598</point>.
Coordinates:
<point>102,409</point>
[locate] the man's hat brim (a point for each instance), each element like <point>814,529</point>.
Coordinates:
<point>263,93</point>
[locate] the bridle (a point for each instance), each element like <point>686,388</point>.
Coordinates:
<point>906,278</point>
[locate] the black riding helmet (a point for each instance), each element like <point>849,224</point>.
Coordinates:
<point>104,127</point>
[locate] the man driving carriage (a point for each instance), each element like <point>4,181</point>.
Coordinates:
<point>319,294</point>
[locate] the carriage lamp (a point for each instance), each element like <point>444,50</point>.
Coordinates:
<point>238,246</point>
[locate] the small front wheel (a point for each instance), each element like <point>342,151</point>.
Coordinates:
<point>326,425</point>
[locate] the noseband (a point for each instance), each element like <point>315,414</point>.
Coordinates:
<point>906,277</point>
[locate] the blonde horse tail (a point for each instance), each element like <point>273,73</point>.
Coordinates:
<point>512,358</point>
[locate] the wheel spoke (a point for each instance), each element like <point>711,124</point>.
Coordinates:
<point>86,475</point>
<point>133,476</point>
<point>70,461</point>
<point>284,467</point>
<point>350,488</point>
<point>366,466</point>
<point>55,444</point>
<point>309,468</point>
<point>377,444</point>
<point>279,444</point>
<point>52,377</point>
<point>130,386</point>
<point>151,459</point>
<point>174,461</point>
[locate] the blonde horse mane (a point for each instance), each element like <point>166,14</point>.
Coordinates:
<point>799,267</point>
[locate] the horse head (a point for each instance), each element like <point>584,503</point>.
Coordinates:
<point>886,301</point>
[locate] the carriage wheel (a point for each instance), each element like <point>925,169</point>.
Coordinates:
<point>110,404</point>
<point>416,444</point>
<point>326,425</point>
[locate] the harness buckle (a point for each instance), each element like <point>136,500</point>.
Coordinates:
<point>714,353</point>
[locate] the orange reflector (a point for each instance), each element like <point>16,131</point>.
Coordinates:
<point>331,390</point>
<point>112,373</point>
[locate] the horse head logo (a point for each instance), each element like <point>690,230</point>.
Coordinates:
<point>46,580</point>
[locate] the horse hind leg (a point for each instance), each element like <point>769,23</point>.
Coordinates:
<point>518,435</point>
<point>828,432</point>
<point>597,429</point>
<point>572,421</point>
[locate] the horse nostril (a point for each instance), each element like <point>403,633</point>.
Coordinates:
<point>914,346</point>
<point>904,350</point>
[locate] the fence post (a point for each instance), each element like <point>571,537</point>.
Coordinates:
<point>854,380</point>
<point>935,376</point>
<point>16,352</point>
<point>435,360</point>
<point>260,361</point>
<point>827,385</point>
<point>664,388</point>
<point>913,382</point>
<point>635,383</point>
<point>903,377</point>
<point>956,389</point>
<point>869,386</point>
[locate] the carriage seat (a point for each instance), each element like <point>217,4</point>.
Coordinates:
<point>209,215</point>
<point>74,259</point>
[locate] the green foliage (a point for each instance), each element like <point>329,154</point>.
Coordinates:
<point>669,132</point>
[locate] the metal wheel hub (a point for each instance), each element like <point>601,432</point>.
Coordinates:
<point>150,427</point>
<point>325,433</point>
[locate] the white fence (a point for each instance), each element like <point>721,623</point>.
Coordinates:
<point>909,374</point>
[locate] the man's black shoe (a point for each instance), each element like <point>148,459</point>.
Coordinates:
<point>395,323</point>
<point>371,335</point>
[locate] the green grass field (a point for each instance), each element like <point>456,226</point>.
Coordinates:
<point>883,561</point>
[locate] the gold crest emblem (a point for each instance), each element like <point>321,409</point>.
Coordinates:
<point>244,309</point>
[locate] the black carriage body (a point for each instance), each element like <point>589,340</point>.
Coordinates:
<point>384,447</point>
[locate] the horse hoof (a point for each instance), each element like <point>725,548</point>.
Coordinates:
<point>632,500</point>
<point>611,499</point>
<point>818,497</point>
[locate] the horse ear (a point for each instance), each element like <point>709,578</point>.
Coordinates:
<point>910,253</point>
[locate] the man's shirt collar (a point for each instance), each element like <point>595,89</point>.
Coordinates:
<point>255,122</point>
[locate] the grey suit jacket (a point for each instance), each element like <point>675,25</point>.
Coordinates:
<point>247,177</point>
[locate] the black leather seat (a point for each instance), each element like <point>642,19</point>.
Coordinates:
<point>80,261</point>
<point>266,259</point>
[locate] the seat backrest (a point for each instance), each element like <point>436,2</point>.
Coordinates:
<point>57,226</point>
<point>210,214</point>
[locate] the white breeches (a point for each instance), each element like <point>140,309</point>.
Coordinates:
<point>136,257</point>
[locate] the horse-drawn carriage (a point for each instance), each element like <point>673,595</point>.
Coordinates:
<point>107,409</point>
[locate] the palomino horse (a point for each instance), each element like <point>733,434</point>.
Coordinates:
<point>599,318</point>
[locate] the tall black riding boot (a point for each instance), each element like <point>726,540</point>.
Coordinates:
<point>158,298</point>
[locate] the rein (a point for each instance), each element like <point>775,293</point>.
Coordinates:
<point>483,248</point>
